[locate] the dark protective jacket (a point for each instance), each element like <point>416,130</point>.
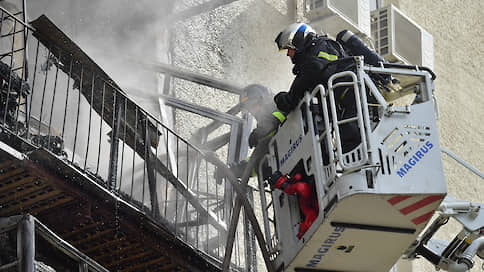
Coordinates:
<point>268,120</point>
<point>312,66</point>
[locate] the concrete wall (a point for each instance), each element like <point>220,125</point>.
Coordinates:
<point>456,27</point>
<point>234,42</point>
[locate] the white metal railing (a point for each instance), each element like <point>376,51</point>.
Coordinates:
<point>320,113</point>
<point>358,156</point>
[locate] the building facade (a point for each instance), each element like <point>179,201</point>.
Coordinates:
<point>458,64</point>
<point>234,41</point>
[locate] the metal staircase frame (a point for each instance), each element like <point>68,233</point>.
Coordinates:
<point>88,102</point>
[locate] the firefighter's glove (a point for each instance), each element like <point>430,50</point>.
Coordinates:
<point>254,138</point>
<point>238,168</point>
<point>274,178</point>
<point>284,102</point>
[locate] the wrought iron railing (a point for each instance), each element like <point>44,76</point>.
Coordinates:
<point>70,107</point>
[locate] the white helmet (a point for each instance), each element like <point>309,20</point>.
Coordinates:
<point>293,36</point>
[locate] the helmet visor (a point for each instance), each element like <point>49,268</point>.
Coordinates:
<point>293,36</point>
<point>278,41</point>
<point>283,40</point>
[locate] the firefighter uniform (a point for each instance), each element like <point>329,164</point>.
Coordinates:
<point>314,62</point>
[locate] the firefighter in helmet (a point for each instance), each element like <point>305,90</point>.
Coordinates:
<point>315,58</point>
<point>258,101</point>
<point>311,55</point>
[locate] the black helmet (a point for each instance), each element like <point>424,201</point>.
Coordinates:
<point>253,94</point>
<point>293,36</point>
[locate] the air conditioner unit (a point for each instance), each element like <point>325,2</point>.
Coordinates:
<point>332,16</point>
<point>398,39</point>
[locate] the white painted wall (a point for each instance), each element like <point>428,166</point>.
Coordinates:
<point>457,28</point>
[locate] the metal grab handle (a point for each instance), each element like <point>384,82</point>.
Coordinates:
<point>359,116</point>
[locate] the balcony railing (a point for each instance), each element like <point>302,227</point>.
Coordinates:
<point>70,107</point>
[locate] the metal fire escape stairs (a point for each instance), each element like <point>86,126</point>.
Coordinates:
<point>132,193</point>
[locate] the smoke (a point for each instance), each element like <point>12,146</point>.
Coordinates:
<point>112,32</point>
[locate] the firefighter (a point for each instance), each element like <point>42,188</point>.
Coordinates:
<point>314,59</point>
<point>311,55</point>
<point>257,100</point>
<point>305,193</point>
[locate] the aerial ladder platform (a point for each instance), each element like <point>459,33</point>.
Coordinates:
<point>374,200</point>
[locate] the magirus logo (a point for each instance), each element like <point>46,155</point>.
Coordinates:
<point>293,147</point>
<point>416,158</point>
